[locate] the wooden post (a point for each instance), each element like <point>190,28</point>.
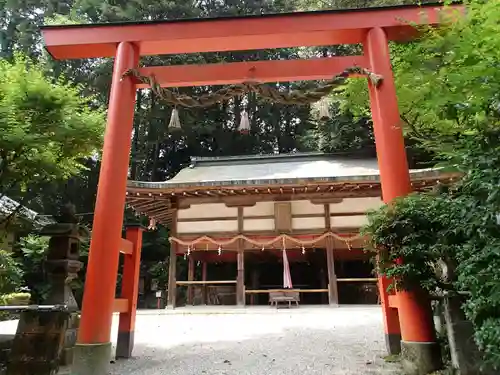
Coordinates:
<point>240,280</point>
<point>102,269</point>
<point>190,294</point>
<point>415,325</point>
<point>130,292</point>
<point>204,270</point>
<point>333,294</point>
<point>172,276</point>
<point>255,282</point>
<point>328,219</point>
<point>325,299</point>
<point>332,286</point>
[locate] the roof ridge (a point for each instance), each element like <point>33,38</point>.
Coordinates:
<point>363,154</point>
<point>197,159</point>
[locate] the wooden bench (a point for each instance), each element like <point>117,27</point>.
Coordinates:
<point>284,296</point>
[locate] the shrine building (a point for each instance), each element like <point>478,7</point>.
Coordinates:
<point>232,217</point>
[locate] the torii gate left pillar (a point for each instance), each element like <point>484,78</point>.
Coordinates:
<point>93,350</point>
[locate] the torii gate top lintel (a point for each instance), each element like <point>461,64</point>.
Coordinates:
<point>238,33</point>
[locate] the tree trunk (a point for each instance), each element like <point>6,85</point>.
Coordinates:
<point>156,156</point>
<point>465,355</point>
<point>135,144</point>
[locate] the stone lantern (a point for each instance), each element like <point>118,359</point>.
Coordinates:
<point>46,334</point>
<point>62,266</point>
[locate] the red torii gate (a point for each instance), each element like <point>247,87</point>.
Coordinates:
<point>407,317</point>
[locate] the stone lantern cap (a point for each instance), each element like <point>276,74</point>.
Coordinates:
<point>65,229</point>
<point>67,225</point>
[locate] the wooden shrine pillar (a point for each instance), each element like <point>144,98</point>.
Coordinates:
<point>415,326</point>
<point>333,294</point>
<point>323,279</point>
<point>130,292</point>
<point>255,283</point>
<point>172,266</point>
<point>93,348</point>
<point>204,288</point>
<point>240,278</point>
<point>190,289</point>
<point>172,276</point>
<point>240,262</point>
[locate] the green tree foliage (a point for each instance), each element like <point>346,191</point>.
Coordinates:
<point>414,228</point>
<point>33,251</point>
<point>19,22</point>
<point>448,80</point>
<point>353,4</point>
<point>11,274</point>
<point>341,133</point>
<point>30,258</point>
<point>46,128</point>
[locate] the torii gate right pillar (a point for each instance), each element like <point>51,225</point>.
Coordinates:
<point>407,317</point>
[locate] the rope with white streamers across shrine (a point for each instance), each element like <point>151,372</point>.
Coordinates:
<point>263,244</point>
<point>266,92</point>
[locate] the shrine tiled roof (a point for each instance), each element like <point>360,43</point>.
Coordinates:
<point>289,175</point>
<point>9,206</point>
<point>277,170</point>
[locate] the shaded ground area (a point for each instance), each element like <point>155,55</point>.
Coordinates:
<point>342,341</point>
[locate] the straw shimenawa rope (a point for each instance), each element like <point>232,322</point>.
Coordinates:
<point>267,92</point>
<point>282,237</point>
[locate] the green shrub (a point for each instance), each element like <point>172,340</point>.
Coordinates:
<point>11,275</point>
<point>456,227</point>
<point>15,299</point>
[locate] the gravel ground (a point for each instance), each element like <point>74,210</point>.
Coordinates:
<point>305,341</point>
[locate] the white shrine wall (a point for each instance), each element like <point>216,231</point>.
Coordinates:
<point>259,209</point>
<point>352,205</point>
<point>209,218</point>
<point>207,211</point>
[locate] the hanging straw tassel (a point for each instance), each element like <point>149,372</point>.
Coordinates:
<point>175,122</point>
<point>244,127</point>
<point>152,224</point>
<point>324,110</point>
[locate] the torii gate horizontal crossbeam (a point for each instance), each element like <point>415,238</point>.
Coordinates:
<point>239,33</point>
<point>257,71</point>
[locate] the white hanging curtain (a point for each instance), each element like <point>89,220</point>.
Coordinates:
<point>244,126</point>
<point>287,277</point>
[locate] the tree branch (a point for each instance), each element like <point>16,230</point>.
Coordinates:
<point>411,126</point>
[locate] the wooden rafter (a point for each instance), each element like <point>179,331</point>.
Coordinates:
<point>160,204</point>
<point>160,192</point>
